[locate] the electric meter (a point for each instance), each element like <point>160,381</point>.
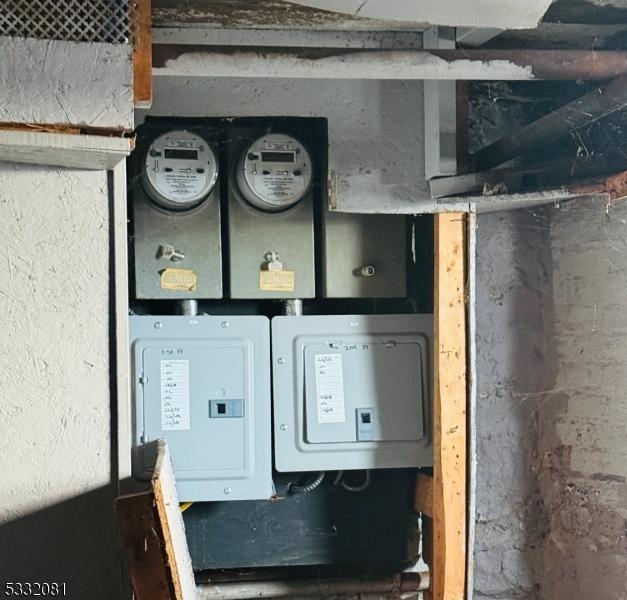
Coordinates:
<point>180,171</point>
<point>274,172</point>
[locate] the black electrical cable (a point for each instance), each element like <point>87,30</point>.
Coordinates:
<point>357,488</point>
<point>310,487</point>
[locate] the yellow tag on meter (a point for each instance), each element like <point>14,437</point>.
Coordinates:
<point>276,281</point>
<point>178,279</point>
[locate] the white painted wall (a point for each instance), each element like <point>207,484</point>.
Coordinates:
<point>56,511</point>
<point>61,82</point>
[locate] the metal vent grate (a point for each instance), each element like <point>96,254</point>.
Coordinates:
<point>72,20</point>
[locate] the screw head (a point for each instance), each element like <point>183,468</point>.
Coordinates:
<point>283,427</point>
<point>224,324</point>
<point>281,361</point>
<point>227,490</point>
<point>158,325</point>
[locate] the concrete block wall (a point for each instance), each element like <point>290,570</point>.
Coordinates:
<point>56,497</point>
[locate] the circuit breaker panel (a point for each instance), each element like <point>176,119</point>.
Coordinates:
<point>203,384</point>
<point>351,392</point>
<point>273,339</point>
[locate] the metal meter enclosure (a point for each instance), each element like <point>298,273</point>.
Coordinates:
<point>270,214</point>
<point>352,392</point>
<point>364,256</point>
<point>176,213</point>
<point>203,384</point>
<point>274,172</point>
<point>180,169</point>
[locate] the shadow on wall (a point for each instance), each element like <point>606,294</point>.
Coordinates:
<point>69,543</point>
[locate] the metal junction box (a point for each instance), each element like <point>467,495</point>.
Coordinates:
<point>176,212</point>
<point>203,384</point>
<point>270,216</point>
<point>352,392</point>
<point>364,256</point>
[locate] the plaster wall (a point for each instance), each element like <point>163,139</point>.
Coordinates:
<point>56,460</point>
<point>551,337</point>
<point>583,418</point>
<point>513,311</point>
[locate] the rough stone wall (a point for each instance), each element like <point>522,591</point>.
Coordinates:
<point>513,306</point>
<point>56,514</point>
<point>583,420</point>
<point>552,415</point>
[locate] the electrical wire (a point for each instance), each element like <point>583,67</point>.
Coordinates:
<point>357,488</point>
<point>310,487</point>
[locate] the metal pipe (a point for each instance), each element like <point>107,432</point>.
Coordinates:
<point>474,64</point>
<point>188,308</point>
<point>304,588</point>
<point>590,107</point>
<point>293,307</point>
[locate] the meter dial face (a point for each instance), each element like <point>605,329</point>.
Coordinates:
<point>274,172</point>
<point>180,170</point>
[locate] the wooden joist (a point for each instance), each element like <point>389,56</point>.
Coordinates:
<point>142,54</point>
<point>445,534</point>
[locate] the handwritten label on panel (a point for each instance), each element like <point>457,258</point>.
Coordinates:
<point>330,388</point>
<point>175,395</point>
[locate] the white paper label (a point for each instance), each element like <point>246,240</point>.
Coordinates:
<point>174,395</point>
<point>330,388</point>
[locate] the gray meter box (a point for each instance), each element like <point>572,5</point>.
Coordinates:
<point>253,234</point>
<point>203,384</point>
<point>364,256</point>
<point>195,234</point>
<point>352,392</point>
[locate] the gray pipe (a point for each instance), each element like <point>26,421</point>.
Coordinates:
<point>188,308</point>
<point>293,307</point>
<point>306,588</point>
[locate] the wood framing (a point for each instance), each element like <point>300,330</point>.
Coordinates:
<point>444,540</point>
<point>142,55</point>
<point>154,537</point>
<point>72,150</point>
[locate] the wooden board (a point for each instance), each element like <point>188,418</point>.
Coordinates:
<point>142,54</point>
<point>423,502</point>
<point>63,149</point>
<point>154,537</point>
<point>445,535</point>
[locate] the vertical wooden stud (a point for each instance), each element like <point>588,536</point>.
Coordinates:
<point>142,54</point>
<point>445,533</point>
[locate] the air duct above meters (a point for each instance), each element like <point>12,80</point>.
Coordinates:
<point>271,231</point>
<point>176,213</point>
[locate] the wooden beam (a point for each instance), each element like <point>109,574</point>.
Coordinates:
<point>448,552</point>
<point>423,501</point>
<point>142,54</point>
<point>597,104</point>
